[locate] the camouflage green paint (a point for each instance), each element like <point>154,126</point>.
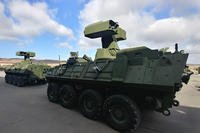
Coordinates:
<point>145,75</point>
<point>34,71</point>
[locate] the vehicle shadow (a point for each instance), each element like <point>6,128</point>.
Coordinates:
<point>183,119</point>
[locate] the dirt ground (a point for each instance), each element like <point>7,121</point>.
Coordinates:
<point>27,110</point>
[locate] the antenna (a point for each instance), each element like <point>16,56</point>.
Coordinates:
<point>59,59</point>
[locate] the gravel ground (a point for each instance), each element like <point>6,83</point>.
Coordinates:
<point>27,110</point>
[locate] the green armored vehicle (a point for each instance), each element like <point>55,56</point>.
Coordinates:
<point>25,72</point>
<point>118,84</point>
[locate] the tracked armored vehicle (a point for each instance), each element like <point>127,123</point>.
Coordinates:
<point>118,84</point>
<point>26,72</point>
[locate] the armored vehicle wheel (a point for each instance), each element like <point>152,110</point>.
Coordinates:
<point>68,97</point>
<point>18,81</point>
<point>6,78</point>
<point>90,103</point>
<point>10,79</point>
<point>14,79</point>
<point>122,113</point>
<point>42,81</point>
<point>52,92</point>
<point>21,81</point>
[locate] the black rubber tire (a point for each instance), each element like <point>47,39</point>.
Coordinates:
<point>52,92</point>
<point>19,81</point>
<point>26,79</point>
<point>122,113</point>
<point>10,79</point>
<point>42,81</point>
<point>22,81</point>
<point>68,97</point>
<point>90,103</point>
<point>6,78</point>
<point>14,80</point>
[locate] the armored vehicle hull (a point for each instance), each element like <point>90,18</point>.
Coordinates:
<point>118,84</point>
<point>25,72</point>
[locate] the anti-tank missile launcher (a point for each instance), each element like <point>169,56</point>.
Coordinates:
<point>118,83</point>
<point>26,72</point>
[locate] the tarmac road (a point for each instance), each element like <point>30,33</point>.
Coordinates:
<point>27,110</point>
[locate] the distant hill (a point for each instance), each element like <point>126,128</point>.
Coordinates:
<point>10,61</point>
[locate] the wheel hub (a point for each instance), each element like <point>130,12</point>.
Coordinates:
<point>118,114</point>
<point>89,104</point>
<point>67,96</point>
<point>52,93</point>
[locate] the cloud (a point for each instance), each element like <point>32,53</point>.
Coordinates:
<point>139,19</point>
<point>104,9</point>
<point>178,7</point>
<point>64,45</point>
<point>171,29</point>
<point>21,19</point>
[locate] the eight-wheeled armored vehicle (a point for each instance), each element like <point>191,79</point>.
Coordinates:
<point>118,84</point>
<point>26,72</point>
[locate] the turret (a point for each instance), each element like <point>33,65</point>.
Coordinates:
<point>110,33</point>
<point>26,55</point>
<point>74,54</point>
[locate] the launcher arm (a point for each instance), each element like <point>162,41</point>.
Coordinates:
<point>26,55</point>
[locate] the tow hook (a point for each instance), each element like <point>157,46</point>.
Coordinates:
<point>166,112</point>
<point>176,103</point>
